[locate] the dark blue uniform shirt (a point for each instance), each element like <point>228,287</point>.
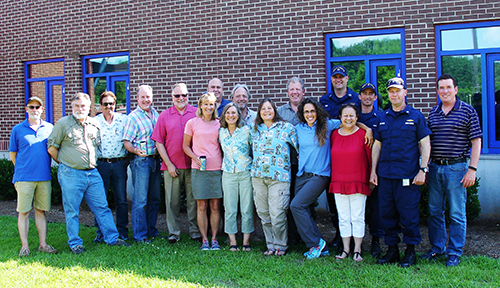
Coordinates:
<point>371,119</point>
<point>332,103</point>
<point>400,133</point>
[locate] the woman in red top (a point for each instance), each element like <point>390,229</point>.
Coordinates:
<point>351,162</point>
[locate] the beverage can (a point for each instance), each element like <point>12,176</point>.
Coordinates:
<point>203,160</point>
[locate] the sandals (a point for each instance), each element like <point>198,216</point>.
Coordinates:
<point>24,252</point>
<point>48,249</point>
<point>280,252</point>
<point>270,252</point>
<point>341,256</point>
<point>357,257</point>
<point>234,248</point>
<point>246,248</point>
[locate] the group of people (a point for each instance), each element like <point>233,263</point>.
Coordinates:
<point>276,159</point>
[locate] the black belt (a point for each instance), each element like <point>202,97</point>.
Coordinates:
<point>156,156</point>
<point>111,160</point>
<point>448,161</point>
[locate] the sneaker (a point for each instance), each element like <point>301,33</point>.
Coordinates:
<point>78,249</point>
<point>173,239</point>
<point>325,252</point>
<point>205,246</point>
<point>124,238</point>
<point>48,249</point>
<point>430,255</point>
<point>315,251</point>
<point>98,239</point>
<point>143,241</point>
<point>120,242</point>
<point>453,260</point>
<point>215,245</point>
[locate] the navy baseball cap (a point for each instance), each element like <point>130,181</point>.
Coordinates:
<point>339,69</point>
<point>368,86</point>
<point>396,82</point>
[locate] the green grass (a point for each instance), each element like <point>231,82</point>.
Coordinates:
<point>183,265</point>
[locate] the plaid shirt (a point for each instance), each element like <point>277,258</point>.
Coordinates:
<point>139,127</point>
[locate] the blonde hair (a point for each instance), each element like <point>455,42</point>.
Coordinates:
<point>204,97</point>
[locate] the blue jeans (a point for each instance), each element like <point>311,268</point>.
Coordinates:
<point>75,185</point>
<point>444,184</point>
<point>115,175</point>
<point>146,177</point>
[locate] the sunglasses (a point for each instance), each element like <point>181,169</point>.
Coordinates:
<point>32,107</point>
<point>179,95</point>
<point>108,104</point>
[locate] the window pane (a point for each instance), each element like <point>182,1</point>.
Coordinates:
<point>95,87</point>
<point>42,70</point>
<point>384,73</point>
<point>57,103</point>
<point>37,89</point>
<point>467,71</point>
<point>366,45</point>
<point>471,38</point>
<point>107,64</point>
<point>497,98</point>
<point>121,96</point>
<point>355,71</point>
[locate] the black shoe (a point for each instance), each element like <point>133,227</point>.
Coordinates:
<point>392,256</point>
<point>120,242</point>
<point>375,249</point>
<point>409,259</point>
<point>431,255</point>
<point>98,239</point>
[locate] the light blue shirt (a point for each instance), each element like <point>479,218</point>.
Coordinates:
<point>112,136</point>
<point>271,153</point>
<point>236,149</point>
<point>314,158</point>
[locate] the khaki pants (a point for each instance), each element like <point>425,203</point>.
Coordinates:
<point>272,199</point>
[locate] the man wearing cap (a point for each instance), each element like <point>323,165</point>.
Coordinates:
<point>176,166</point>
<point>73,143</point>
<point>396,154</point>
<point>145,166</point>
<point>455,130</point>
<point>370,117</point>
<point>112,161</point>
<point>216,86</point>
<point>341,94</point>
<point>240,96</point>
<point>32,180</point>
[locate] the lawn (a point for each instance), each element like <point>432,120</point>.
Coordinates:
<point>182,265</point>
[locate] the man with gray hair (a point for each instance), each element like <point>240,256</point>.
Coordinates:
<point>73,144</point>
<point>168,135</point>
<point>240,96</point>
<point>145,166</point>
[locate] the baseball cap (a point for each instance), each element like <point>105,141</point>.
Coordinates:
<point>339,69</point>
<point>34,98</point>
<point>396,82</point>
<point>368,86</point>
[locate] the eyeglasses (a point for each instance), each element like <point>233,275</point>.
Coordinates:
<point>108,104</point>
<point>179,95</point>
<point>32,107</point>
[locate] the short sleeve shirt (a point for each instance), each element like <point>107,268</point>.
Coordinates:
<point>77,142</point>
<point>32,159</point>
<point>236,149</point>
<point>112,136</point>
<point>204,142</point>
<point>400,133</point>
<point>139,128</point>
<point>271,153</point>
<point>169,131</point>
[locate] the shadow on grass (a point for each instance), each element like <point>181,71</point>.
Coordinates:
<point>161,264</point>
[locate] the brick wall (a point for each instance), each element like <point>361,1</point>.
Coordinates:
<point>260,43</point>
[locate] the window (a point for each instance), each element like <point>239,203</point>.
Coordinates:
<point>107,72</point>
<point>368,56</point>
<point>45,80</point>
<point>471,53</point>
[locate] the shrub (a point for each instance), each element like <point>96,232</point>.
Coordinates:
<point>473,207</point>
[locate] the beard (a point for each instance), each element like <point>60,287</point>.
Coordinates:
<point>80,115</point>
<point>35,117</point>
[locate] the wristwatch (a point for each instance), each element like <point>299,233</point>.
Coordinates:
<point>424,169</point>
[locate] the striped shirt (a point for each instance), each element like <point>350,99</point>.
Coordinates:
<point>139,128</point>
<point>452,134</point>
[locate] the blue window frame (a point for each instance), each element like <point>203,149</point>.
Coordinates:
<point>471,53</point>
<point>369,56</point>
<point>45,79</point>
<point>108,72</point>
